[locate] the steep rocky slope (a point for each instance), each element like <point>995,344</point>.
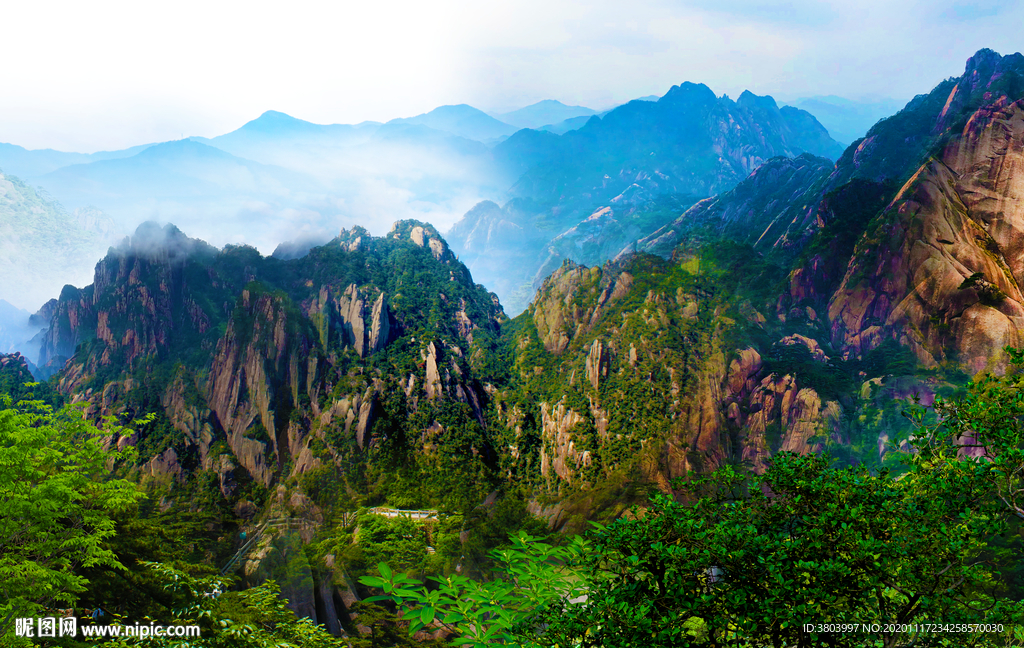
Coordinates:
<point>586,194</point>
<point>940,268</point>
<point>258,356</point>
<point>771,208</point>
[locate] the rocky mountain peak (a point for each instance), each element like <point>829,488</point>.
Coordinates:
<point>751,101</point>
<point>423,235</point>
<point>690,93</point>
<point>154,242</point>
<point>984,61</point>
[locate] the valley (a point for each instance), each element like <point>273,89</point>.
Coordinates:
<point>674,289</point>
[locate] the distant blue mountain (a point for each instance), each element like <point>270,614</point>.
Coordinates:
<point>690,141</point>
<point>847,120</point>
<point>418,135</point>
<point>544,113</point>
<point>567,125</point>
<point>588,193</point>
<point>461,120</point>
<point>174,170</point>
<point>263,138</point>
<point>26,163</point>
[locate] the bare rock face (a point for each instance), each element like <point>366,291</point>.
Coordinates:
<point>433,381</point>
<point>917,286</point>
<point>597,363</point>
<point>365,328</point>
<point>356,414</point>
<point>989,160</point>
<point>560,456</point>
<point>165,464</point>
<point>555,314</point>
<point>806,418</point>
<point>779,415</point>
<point>941,272</point>
<point>248,371</point>
<point>425,236</point>
<point>350,310</point>
<point>812,346</point>
<point>772,413</point>
<point>743,373</point>
<point>700,442</point>
<point>380,326</point>
<point>557,311</point>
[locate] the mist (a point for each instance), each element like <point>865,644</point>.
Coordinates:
<point>273,181</point>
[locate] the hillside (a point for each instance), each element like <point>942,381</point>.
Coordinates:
<point>42,246</point>
<point>797,311</point>
<point>462,121</point>
<point>626,174</point>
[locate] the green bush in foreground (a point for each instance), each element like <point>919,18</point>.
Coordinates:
<point>57,506</point>
<point>806,554</point>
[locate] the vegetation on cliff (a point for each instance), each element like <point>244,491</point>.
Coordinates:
<point>754,375</point>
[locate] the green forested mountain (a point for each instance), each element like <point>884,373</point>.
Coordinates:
<point>795,312</point>
<point>621,176</point>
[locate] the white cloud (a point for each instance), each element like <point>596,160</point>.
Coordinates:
<point>109,74</point>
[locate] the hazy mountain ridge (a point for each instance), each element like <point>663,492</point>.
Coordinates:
<point>42,246</point>
<point>847,120</point>
<point>793,312</point>
<point>461,120</point>
<point>27,163</point>
<point>544,113</point>
<point>629,166</point>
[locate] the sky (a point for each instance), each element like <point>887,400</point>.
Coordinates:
<point>104,75</point>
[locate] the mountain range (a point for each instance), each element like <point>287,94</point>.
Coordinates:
<point>795,309</point>
<point>620,177</point>
<point>278,178</point>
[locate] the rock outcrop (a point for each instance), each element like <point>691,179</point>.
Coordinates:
<point>941,270</point>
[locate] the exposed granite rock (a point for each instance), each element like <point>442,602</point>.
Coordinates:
<point>914,286</point>
<point>554,313</point>
<point>559,456</point>
<point>380,327</point>
<point>812,346</point>
<point>433,380</point>
<point>557,310</point>
<point>248,370</point>
<point>597,363</point>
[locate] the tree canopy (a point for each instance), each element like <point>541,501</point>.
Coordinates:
<point>57,502</point>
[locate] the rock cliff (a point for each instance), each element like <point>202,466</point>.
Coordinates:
<point>940,269</point>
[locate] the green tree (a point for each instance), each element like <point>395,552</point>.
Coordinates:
<point>254,618</point>
<point>808,544</point>
<point>57,504</point>
<point>985,427</point>
<point>531,578</point>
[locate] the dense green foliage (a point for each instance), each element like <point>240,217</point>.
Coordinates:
<point>253,618</point>
<point>57,506</point>
<point>807,554</point>
<point>532,577</point>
